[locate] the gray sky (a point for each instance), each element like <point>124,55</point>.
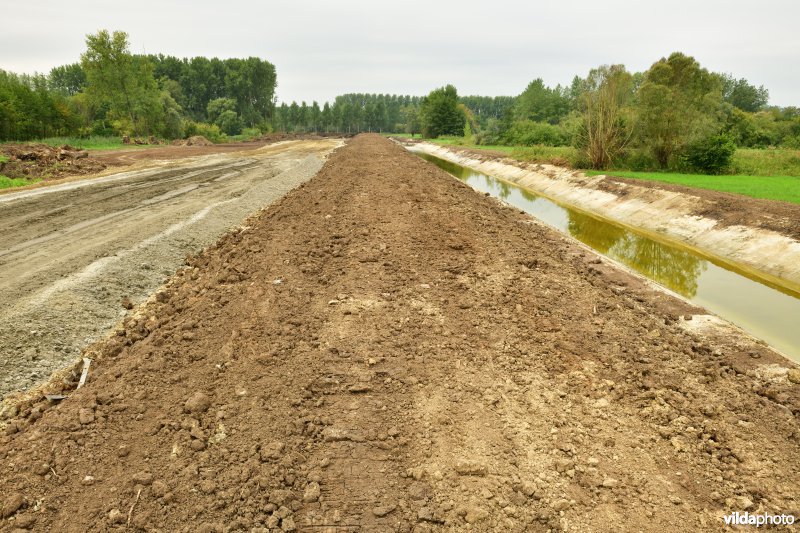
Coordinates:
<point>492,47</point>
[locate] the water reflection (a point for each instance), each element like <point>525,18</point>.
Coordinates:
<point>756,307</point>
<point>674,268</point>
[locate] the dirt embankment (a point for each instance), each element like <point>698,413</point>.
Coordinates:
<point>762,236</point>
<point>385,349</point>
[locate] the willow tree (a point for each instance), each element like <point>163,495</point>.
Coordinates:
<point>604,100</point>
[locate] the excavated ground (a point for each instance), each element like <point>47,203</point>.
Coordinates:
<point>386,350</point>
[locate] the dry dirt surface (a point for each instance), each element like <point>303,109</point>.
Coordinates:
<point>129,156</point>
<point>384,349</point>
<point>76,256</point>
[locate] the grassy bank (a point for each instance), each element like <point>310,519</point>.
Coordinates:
<point>784,188</point>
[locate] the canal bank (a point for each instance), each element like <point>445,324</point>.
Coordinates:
<point>767,254</point>
<point>762,308</point>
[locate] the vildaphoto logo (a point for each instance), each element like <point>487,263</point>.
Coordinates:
<point>758,520</point>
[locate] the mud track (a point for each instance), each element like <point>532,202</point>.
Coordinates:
<point>72,255</point>
<point>386,350</point>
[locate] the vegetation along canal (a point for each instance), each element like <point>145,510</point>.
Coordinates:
<point>765,312</point>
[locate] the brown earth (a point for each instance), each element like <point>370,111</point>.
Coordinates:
<point>129,156</point>
<point>47,162</point>
<point>386,350</point>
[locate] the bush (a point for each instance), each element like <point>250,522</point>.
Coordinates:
<point>639,160</point>
<point>229,122</point>
<point>209,131</point>
<point>530,133</point>
<point>711,155</point>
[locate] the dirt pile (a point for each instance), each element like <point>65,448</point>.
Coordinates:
<point>385,349</point>
<point>44,161</point>
<point>194,140</point>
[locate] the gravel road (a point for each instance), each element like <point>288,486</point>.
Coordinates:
<point>74,256</point>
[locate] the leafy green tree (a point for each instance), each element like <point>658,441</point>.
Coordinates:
<point>122,80</point>
<point>540,103</point>
<point>439,113</point>
<point>741,94</point>
<point>604,104</point>
<point>67,79</point>
<point>218,106</point>
<point>411,119</point>
<point>678,102</point>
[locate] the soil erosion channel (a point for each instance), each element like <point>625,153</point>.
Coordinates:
<point>764,311</point>
<point>385,349</point>
<point>73,256</point>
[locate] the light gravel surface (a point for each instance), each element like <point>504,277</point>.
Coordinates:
<point>75,256</point>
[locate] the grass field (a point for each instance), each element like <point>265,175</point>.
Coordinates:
<point>90,143</point>
<point>785,188</point>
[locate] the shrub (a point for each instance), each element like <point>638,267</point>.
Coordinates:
<point>710,155</point>
<point>638,160</point>
<point>530,133</point>
<point>209,131</point>
<point>229,122</point>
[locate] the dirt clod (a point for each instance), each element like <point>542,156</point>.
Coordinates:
<point>12,503</point>
<point>197,403</point>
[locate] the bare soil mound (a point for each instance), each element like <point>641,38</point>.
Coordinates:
<point>44,161</point>
<point>386,350</point>
<point>195,140</point>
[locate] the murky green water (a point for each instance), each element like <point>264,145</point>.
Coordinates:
<point>769,313</point>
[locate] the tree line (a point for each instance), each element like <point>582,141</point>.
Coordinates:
<point>114,92</point>
<point>676,114</point>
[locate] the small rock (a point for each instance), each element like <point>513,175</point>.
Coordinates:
<point>207,486</point>
<point>359,388</point>
<point>561,505</point>
<point>610,483</point>
<point>383,510</point>
<point>601,403</point>
<point>115,516</point>
<point>287,524</point>
<point>143,478</point>
<point>86,415</point>
<point>794,375</point>
<point>87,480</point>
<point>312,493</point>
<point>12,504</point>
<point>197,403</point>
<point>470,468</point>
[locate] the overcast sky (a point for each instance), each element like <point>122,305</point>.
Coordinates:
<point>492,47</point>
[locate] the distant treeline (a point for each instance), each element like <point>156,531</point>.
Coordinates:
<point>355,113</point>
<point>114,92</point>
<point>675,115</point>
